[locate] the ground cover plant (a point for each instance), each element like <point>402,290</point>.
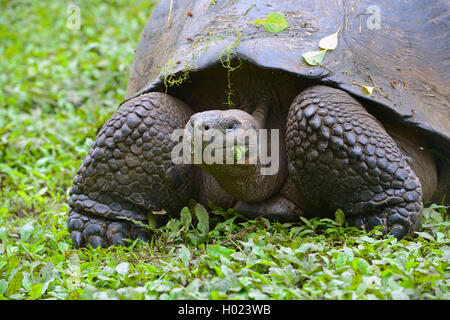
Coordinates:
<point>57,88</point>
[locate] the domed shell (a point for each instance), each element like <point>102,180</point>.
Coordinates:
<point>399,47</point>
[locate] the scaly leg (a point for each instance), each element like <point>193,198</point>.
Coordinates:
<point>340,156</point>
<point>128,172</point>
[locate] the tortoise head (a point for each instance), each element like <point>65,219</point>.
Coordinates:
<point>229,145</point>
<point>222,140</point>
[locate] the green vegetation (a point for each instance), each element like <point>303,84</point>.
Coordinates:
<point>275,22</point>
<point>57,87</point>
<point>172,78</point>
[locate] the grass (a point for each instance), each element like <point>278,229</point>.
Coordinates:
<point>57,87</point>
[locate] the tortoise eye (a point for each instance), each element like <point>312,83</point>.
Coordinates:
<point>230,124</point>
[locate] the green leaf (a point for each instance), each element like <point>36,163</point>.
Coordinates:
<point>306,221</point>
<point>217,250</point>
<point>46,273</point>
<point>329,42</point>
<point>152,220</point>
<point>26,230</point>
<point>35,291</point>
<point>15,284</point>
<point>360,265</point>
<point>195,238</point>
<point>74,295</point>
<point>186,218</point>
<point>274,22</point>
<point>411,264</point>
<point>340,217</point>
<point>203,218</point>
<point>314,58</point>
<point>3,286</point>
<point>13,262</point>
<point>426,235</point>
<point>122,268</point>
<point>341,260</point>
<point>185,255</point>
<point>215,295</point>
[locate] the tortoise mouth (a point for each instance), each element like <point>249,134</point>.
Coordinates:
<point>215,148</point>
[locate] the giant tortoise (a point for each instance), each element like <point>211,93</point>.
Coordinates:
<point>376,155</point>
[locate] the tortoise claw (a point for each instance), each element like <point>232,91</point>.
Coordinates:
<point>398,231</point>
<point>95,241</point>
<point>141,233</point>
<point>76,239</point>
<point>116,233</point>
<point>101,232</point>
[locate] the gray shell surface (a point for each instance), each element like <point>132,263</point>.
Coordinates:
<point>407,57</point>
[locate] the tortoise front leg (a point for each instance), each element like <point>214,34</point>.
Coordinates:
<point>341,157</point>
<point>128,172</point>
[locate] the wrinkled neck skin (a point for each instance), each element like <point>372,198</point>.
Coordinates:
<point>245,182</point>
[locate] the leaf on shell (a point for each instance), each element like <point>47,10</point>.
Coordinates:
<point>367,90</point>
<point>274,22</point>
<point>160,212</point>
<point>314,58</point>
<point>329,42</point>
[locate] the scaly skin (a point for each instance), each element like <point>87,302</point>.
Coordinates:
<point>341,157</point>
<point>128,172</point>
